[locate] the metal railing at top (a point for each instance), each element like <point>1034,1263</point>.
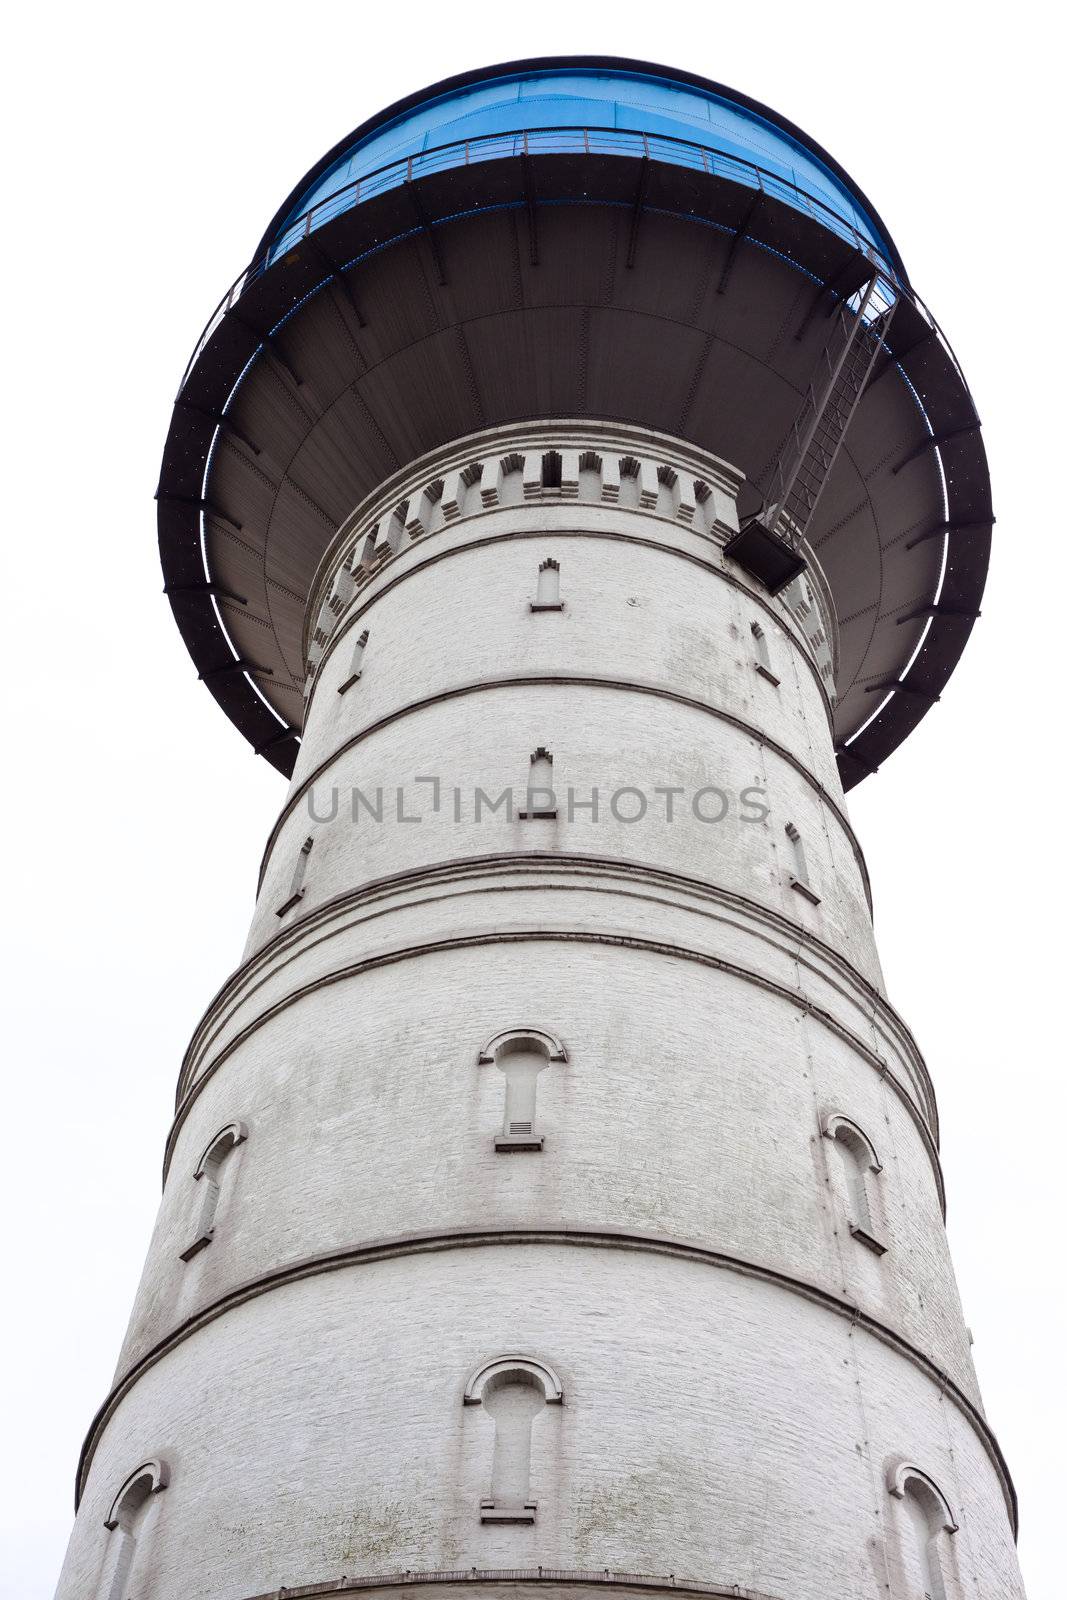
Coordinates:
<point>568,140</point>
<point>539,141</point>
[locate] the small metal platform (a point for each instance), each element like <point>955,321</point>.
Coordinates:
<point>765,555</point>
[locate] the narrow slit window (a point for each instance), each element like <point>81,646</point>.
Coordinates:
<point>925,1556</point>
<point>355,666</point>
<point>858,1167</point>
<point>540,795</point>
<point>126,1524</point>
<point>547,587</point>
<point>515,1392</point>
<point>521,1054</point>
<point>798,878</point>
<point>296,885</point>
<point>514,1400</point>
<point>928,1527</point>
<point>520,1065</point>
<point>209,1179</point>
<point>763,655</point>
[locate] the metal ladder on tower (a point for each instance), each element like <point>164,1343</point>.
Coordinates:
<point>768,545</point>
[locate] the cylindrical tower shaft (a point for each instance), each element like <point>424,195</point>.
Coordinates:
<point>553,1195</point>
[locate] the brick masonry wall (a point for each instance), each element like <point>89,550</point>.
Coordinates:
<point>741,1372</point>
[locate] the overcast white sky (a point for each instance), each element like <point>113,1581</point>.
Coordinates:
<point>147,148</point>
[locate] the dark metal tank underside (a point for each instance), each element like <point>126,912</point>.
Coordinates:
<point>555,286</point>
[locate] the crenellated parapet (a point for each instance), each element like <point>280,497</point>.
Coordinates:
<point>553,465</point>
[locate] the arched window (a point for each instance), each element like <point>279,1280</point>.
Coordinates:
<point>514,1390</point>
<point>125,1523</point>
<point>547,587</point>
<point>763,655</point>
<point>798,878</point>
<point>296,886</point>
<point>928,1525</point>
<point>540,795</point>
<point>355,666</point>
<point>857,1162</point>
<point>522,1054</point>
<point>209,1175</point>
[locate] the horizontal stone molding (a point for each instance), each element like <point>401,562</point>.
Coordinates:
<point>579,1238</point>
<point>576,936</point>
<point>376,588</point>
<point>572,1577</point>
<point>571,680</point>
<point>606,873</point>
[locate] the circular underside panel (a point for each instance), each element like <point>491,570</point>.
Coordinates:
<point>555,285</point>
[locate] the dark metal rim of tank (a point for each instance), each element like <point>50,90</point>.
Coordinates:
<point>624,65</point>
<point>271,298</point>
<point>562,139</point>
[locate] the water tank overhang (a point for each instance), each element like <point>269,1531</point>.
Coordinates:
<point>458,301</point>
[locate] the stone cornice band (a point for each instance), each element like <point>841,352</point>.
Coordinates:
<point>559,862</point>
<point>577,936</point>
<point>599,1237</point>
<point>567,680</point>
<point>649,1582</point>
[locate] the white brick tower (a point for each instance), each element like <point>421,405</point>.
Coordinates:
<point>553,1199</point>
